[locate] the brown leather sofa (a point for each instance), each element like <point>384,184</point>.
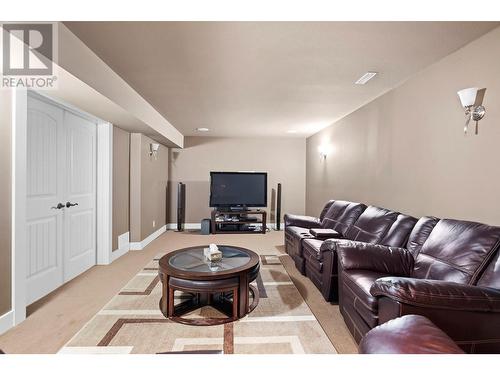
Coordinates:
<point>449,272</point>
<point>409,334</point>
<point>375,225</point>
<point>296,229</point>
<point>337,215</point>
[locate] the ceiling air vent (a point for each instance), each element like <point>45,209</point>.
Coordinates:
<point>365,78</point>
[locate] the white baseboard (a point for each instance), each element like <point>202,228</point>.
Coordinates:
<point>273,227</point>
<point>145,242</point>
<point>6,321</point>
<point>193,226</point>
<point>173,226</point>
<point>123,246</point>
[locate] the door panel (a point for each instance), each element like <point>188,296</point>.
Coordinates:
<point>61,167</point>
<point>42,235</point>
<point>42,141</point>
<point>44,190</point>
<point>80,222</point>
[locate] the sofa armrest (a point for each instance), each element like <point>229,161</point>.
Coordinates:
<point>329,245</point>
<point>302,221</point>
<point>437,294</point>
<point>360,255</point>
<point>408,334</point>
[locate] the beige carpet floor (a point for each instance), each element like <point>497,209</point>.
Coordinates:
<point>131,322</point>
<point>56,318</point>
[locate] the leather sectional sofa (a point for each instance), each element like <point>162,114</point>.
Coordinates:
<point>316,257</point>
<point>390,265</point>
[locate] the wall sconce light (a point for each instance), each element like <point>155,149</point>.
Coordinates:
<point>153,147</point>
<point>472,101</point>
<point>324,150</point>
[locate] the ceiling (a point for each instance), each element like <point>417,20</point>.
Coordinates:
<point>267,78</point>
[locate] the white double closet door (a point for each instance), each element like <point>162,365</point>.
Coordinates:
<point>61,196</point>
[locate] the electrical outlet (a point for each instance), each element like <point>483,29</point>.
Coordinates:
<point>154,223</point>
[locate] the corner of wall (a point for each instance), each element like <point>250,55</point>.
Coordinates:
<point>135,187</point>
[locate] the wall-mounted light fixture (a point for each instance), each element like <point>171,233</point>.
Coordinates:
<point>472,101</point>
<point>153,147</point>
<point>324,149</point>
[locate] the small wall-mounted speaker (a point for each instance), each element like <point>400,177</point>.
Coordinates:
<point>181,206</point>
<point>278,207</point>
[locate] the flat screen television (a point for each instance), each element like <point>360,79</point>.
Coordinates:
<point>238,189</point>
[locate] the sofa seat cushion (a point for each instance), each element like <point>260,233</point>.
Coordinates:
<point>298,232</point>
<point>357,284</point>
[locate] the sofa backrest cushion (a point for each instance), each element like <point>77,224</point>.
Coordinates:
<point>372,225</point>
<point>491,276</point>
<point>400,230</point>
<point>420,233</point>
<point>342,215</point>
<point>325,209</point>
<point>456,251</point>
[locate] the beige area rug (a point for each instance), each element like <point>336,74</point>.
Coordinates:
<point>131,322</point>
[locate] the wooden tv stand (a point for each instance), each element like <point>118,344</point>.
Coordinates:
<point>227,221</point>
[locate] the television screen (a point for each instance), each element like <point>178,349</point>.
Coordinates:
<point>234,189</point>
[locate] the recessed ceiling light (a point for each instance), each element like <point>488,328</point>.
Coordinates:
<point>203,129</point>
<point>365,78</point>
<point>291,131</point>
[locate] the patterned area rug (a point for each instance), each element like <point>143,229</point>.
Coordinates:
<point>132,322</point>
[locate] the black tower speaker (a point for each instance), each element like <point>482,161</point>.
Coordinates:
<point>278,208</point>
<point>181,206</point>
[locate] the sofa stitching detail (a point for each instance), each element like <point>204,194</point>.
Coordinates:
<point>453,297</point>
<point>454,266</point>
<point>485,261</point>
<point>356,295</point>
<point>423,304</point>
<point>474,342</point>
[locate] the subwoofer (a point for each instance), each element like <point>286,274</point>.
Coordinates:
<point>206,226</point>
<point>278,207</point>
<point>181,206</point>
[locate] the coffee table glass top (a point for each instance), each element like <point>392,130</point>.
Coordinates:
<point>193,260</point>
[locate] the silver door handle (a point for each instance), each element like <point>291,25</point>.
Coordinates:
<point>69,204</point>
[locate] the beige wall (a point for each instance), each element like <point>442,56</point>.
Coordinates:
<point>121,183</point>
<point>282,158</point>
<point>407,151</point>
<point>5,201</point>
<point>148,187</point>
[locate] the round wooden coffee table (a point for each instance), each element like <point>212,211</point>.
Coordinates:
<point>224,285</point>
